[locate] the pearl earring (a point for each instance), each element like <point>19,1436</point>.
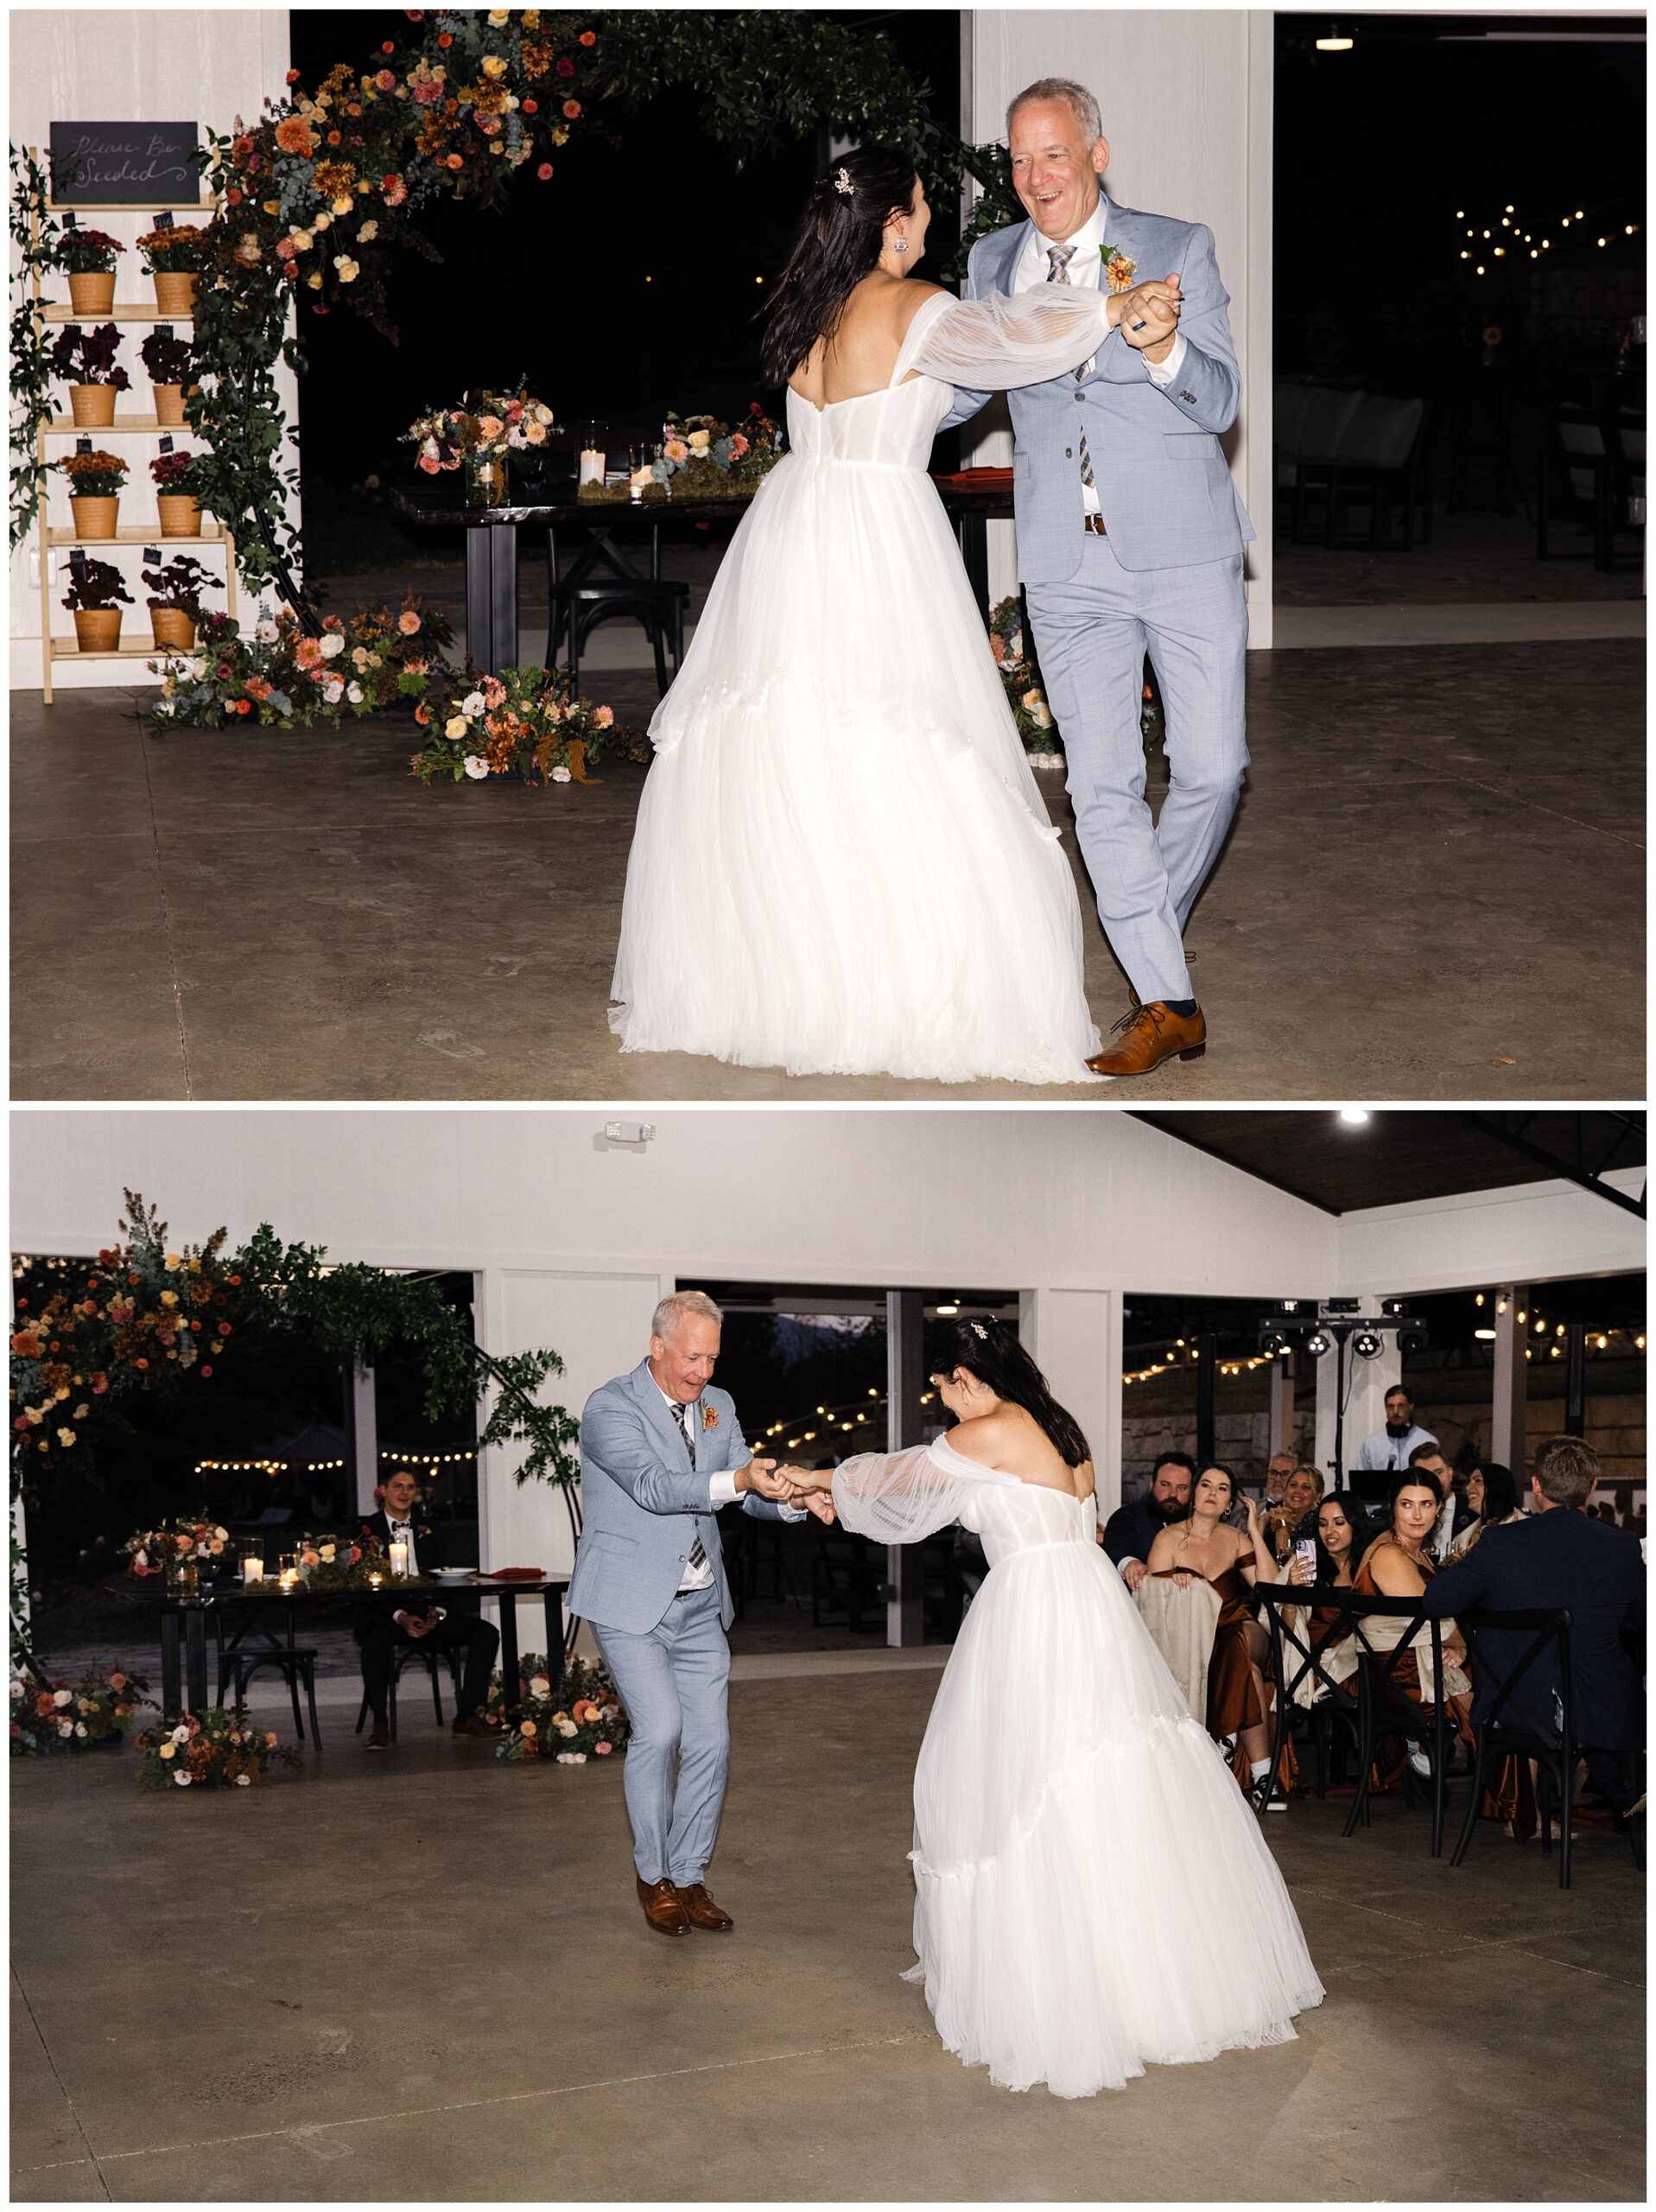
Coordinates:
<point>899,245</point>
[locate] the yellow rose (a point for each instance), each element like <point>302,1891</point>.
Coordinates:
<point>499,16</point>
<point>699,441</point>
<point>170,1298</point>
<point>172,1263</point>
<point>302,241</point>
<point>169,1751</point>
<point>456,726</point>
<point>349,270</point>
<point>343,204</point>
<point>322,221</point>
<point>368,233</point>
<point>493,66</point>
<point>315,280</point>
<point>66,1438</point>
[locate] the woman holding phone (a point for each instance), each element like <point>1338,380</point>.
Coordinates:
<point>1231,1559</point>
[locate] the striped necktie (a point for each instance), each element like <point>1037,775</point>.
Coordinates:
<point>1060,258</point>
<point>681,1415</point>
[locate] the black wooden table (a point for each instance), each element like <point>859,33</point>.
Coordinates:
<point>491,545</point>
<point>263,1607</point>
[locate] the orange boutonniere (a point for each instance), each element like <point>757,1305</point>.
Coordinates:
<point>1119,269</point>
<point>709,1418</point>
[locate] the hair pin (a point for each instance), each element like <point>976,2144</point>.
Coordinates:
<point>979,1329</point>
<point>842,181</point>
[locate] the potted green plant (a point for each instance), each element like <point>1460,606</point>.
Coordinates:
<point>89,257</point>
<point>172,256</point>
<point>95,597</point>
<point>95,481</point>
<point>177,494</point>
<point>85,361</point>
<point>169,361</point>
<point>175,603</point>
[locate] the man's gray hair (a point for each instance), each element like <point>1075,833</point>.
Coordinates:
<point>1076,98</point>
<point>677,1305</point>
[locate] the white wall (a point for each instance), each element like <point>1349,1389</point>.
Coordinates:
<point>1533,1232</point>
<point>1187,101</point>
<point>85,64</point>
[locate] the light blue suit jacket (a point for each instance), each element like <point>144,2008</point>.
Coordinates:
<point>645,1499</point>
<point>1164,488</point>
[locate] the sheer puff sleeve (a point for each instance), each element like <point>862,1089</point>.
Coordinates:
<point>999,343</point>
<point>900,1497</point>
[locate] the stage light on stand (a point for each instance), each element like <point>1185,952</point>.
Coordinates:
<point>1367,1345</point>
<point>1319,1343</point>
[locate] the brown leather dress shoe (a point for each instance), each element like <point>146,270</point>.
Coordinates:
<point>661,1908</point>
<point>477,1723</point>
<point>379,1738</point>
<point>1150,1034</point>
<point>701,1911</point>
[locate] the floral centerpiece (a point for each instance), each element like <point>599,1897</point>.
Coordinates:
<point>710,457</point>
<point>479,437</point>
<point>1021,680</point>
<point>179,1550</point>
<point>90,258</point>
<point>85,361</point>
<point>354,1562</point>
<point>215,1748</point>
<point>525,722</point>
<point>139,1313</point>
<point>176,589</point>
<point>279,678</point>
<point>96,595</point>
<point>170,361</point>
<point>95,481</point>
<point>73,1716</point>
<point>589,1721</point>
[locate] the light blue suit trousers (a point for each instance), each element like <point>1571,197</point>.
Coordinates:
<point>673,1681</point>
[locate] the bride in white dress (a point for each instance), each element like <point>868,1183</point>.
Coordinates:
<point>1093,1894</point>
<point>842,863</point>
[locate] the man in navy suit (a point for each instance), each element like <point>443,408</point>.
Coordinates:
<point>1560,1557</point>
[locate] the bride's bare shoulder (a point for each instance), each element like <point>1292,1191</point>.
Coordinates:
<point>979,1439</point>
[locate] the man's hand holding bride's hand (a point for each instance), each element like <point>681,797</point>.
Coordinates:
<point>768,1480</point>
<point>1149,315</point>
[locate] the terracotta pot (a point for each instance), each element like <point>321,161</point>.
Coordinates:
<point>179,516</point>
<point>169,405</point>
<point>95,517</point>
<point>97,630</point>
<point>176,291</point>
<point>93,405</point>
<point>173,629</point>
<point>92,292</point>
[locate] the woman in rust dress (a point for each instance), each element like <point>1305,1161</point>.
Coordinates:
<point>1239,1712</point>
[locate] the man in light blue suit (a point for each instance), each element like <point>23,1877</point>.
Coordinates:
<point>1129,535</point>
<point>660,1452</point>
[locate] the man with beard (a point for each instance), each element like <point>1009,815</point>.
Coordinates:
<point>1132,1529</point>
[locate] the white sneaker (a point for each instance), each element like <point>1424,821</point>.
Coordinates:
<point>1420,1762</point>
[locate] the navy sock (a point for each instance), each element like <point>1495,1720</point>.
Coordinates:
<point>1185,1007</point>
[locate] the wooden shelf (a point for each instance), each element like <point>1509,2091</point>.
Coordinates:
<point>68,649</point>
<point>62,426</point>
<point>123,311</point>
<point>144,209</point>
<point>131,533</point>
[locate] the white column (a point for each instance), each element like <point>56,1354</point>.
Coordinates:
<point>1218,67</point>
<point>1279,1427</point>
<point>1075,1338</point>
<point>1509,1399</point>
<point>362,1435</point>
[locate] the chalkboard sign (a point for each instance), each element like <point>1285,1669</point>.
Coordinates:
<point>126,165</point>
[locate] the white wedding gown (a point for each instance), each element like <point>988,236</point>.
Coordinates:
<point>842,864</point>
<point>1093,1894</point>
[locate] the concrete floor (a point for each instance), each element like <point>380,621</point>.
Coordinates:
<point>205,2006</point>
<point>1434,889</point>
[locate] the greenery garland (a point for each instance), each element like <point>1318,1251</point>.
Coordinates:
<point>318,193</point>
<point>37,236</point>
<point>144,1321</point>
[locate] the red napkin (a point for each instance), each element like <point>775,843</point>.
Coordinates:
<point>516,1574</point>
<point>980,479</point>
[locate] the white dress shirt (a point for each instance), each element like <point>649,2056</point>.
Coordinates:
<point>401,1532</point>
<point>1084,272</point>
<point>721,1491</point>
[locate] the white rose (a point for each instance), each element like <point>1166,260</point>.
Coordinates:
<point>476,768</point>
<point>63,1697</point>
<point>333,689</point>
<point>183,1779</point>
<point>66,1727</point>
<point>80,1727</point>
<point>567,1728</point>
<point>539,1686</point>
<point>332,644</point>
<point>560,776</point>
<point>17,1689</point>
<point>472,703</point>
<point>195,670</point>
<point>266,632</point>
<point>243,1780</point>
<point>353,692</point>
<point>180,1734</point>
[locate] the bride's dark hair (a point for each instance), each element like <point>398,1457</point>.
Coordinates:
<point>991,1352</point>
<point>837,243</point>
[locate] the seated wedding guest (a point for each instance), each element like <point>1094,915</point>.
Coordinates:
<point>1279,1466</point>
<point>1132,1529</point>
<point>1294,1515</point>
<point>1387,1450</point>
<point>1229,1558</point>
<point>1559,1557</point>
<point>1492,1497</point>
<point>1342,1534</point>
<point>1400,1564</point>
<point>1428,1459</point>
<point>379,1630</point>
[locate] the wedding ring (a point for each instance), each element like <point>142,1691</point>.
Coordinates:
<point>1139,324</point>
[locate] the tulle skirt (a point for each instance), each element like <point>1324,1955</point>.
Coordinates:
<point>842,864</point>
<point>1093,1894</point>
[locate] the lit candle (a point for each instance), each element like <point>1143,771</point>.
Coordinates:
<point>638,482</point>
<point>375,1580</point>
<point>399,1559</point>
<point>252,1570</point>
<point>592,465</point>
<point>287,1579</point>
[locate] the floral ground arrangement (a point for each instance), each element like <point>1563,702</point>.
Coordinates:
<point>54,1716</point>
<point>1021,680</point>
<point>586,1721</point>
<point>526,723</point>
<point>277,678</point>
<point>216,1749</point>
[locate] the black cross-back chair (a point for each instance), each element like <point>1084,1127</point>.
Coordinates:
<point>1509,1727</point>
<point>1371,1703</point>
<point>1338,1708</point>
